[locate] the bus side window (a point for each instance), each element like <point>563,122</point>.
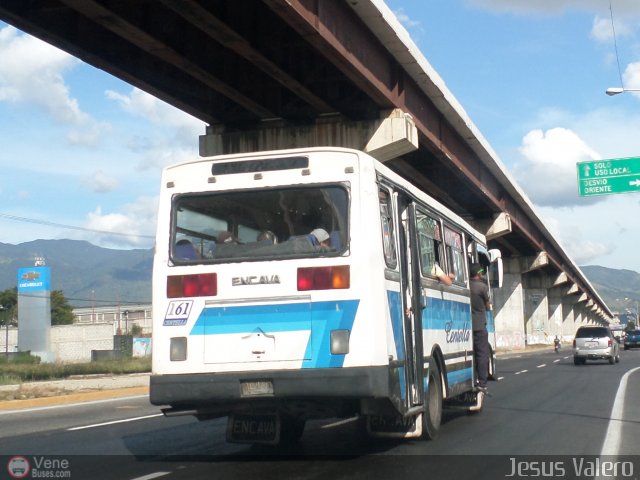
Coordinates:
<point>430,244</point>
<point>386,222</point>
<point>455,254</point>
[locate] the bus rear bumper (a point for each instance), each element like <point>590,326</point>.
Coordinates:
<point>197,390</point>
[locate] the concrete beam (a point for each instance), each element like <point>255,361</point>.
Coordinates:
<point>543,279</point>
<point>561,279</point>
<point>396,135</point>
<point>534,263</point>
<point>496,227</point>
<point>573,290</point>
<point>393,135</point>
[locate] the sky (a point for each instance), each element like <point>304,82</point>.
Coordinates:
<point>81,152</point>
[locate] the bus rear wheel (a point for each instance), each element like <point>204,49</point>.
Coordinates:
<point>432,415</point>
<point>292,429</point>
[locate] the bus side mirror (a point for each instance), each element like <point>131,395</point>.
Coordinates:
<point>494,254</point>
<point>496,269</point>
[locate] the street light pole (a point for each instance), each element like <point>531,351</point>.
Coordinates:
<point>6,336</point>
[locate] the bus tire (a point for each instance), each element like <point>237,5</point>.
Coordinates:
<point>432,415</point>
<point>291,430</point>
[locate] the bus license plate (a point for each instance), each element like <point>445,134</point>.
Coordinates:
<point>255,388</point>
<point>253,428</point>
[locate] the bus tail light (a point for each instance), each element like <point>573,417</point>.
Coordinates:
<point>323,278</point>
<point>200,285</point>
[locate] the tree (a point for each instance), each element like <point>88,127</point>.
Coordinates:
<point>9,303</point>
<point>61,311</point>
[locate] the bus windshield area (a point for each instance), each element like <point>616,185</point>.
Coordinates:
<point>260,224</point>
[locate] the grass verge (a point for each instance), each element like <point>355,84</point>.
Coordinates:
<point>14,372</point>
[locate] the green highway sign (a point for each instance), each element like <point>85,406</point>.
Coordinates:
<point>604,177</point>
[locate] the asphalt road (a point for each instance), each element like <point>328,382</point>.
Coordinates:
<point>542,409</point>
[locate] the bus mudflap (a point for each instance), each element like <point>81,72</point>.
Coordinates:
<point>470,401</point>
<point>254,428</point>
<point>394,426</point>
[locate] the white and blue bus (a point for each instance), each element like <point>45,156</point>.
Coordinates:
<point>295,285</point>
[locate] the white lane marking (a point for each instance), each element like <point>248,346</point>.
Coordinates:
<point>542,366</point>
<point>521,371</point>
<point>151,476</point>
<point>611,444</point>
<point>556,361</point>
<point>500,378</point>
<point>341,422</point>
<point>65,405</point>
<point>134,419</point>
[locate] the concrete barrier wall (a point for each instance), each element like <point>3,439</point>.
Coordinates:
<point>13,339</point>
<point>74,343</point>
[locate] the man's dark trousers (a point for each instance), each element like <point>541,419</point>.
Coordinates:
<point>481,353</point>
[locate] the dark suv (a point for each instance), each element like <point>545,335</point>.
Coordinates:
<point>593,343</point>
<point>632,339</point>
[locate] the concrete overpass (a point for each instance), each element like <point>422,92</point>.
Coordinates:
<point>267,74</point>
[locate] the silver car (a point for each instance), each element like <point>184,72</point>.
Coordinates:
<point>595,343</point>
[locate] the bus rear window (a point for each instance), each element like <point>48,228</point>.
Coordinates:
<point>259,224</point>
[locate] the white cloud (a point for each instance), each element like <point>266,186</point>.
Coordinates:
<point>612,131</point>
<point>603,30</point>
<point>90,135</point>
<point>600,234</point>
<point>631,76</point>
<point>137,220</point>
<point>141,104</point>
<point>175,137</point>
<point>572,236</point>
<point>31,74</point>
<point>405,19</point>
<point>101,182</point>
<point>547,172</point>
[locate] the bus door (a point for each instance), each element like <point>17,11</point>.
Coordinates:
<point>413,304</point>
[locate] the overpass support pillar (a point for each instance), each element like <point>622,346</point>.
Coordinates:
<point>568,312</point>
<point>536,316</point>
<point>556,317</point>
<point>508,308</point>
<point>580,317</point>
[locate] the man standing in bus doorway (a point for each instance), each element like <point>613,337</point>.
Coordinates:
<point>480,304</point>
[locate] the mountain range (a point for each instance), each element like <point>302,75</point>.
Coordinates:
<point>92,276</point>
<point>87,275</point>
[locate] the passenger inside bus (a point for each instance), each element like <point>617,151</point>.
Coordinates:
<point>319,238</point>
<point>227,238</point>
<point>185,250</point>
<point>436,271</point>
<point>267,237</point>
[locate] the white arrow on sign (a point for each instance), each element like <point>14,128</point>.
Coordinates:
<point>635,183</point>
<point>586,170</point>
